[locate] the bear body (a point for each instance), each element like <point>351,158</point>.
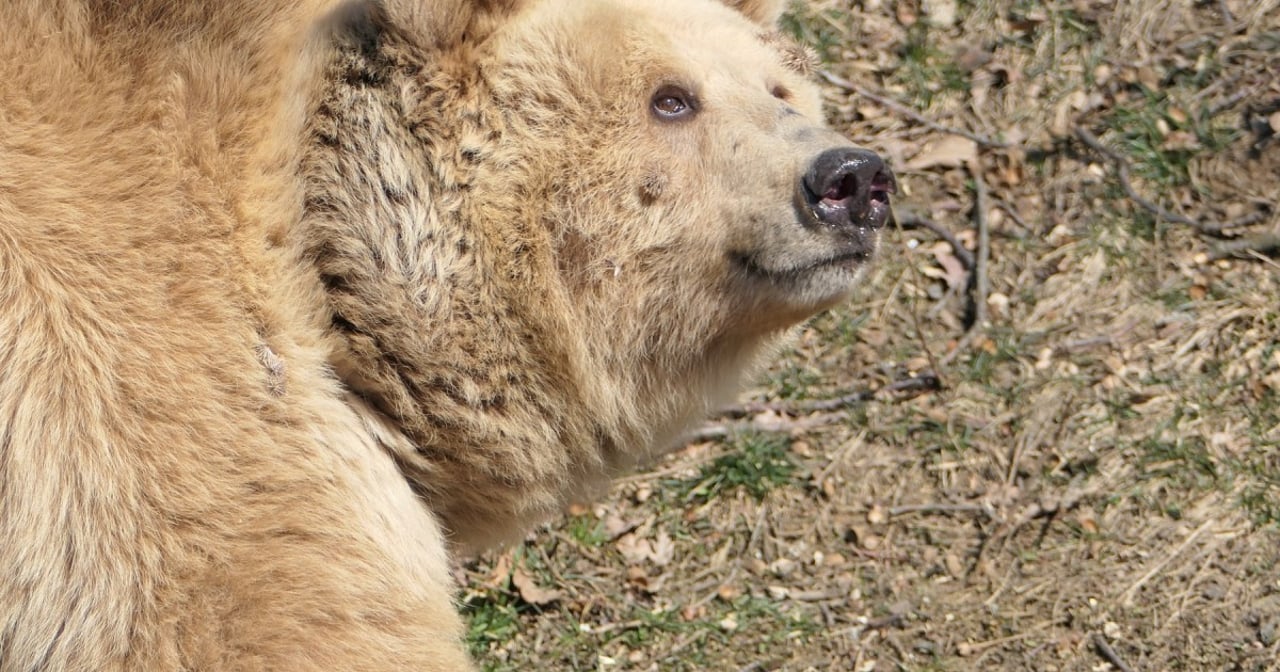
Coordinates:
<point>298,298</point>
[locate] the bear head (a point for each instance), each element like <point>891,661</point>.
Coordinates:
<point>552,234</point>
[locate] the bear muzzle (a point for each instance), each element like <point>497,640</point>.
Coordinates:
<point>849,188</point>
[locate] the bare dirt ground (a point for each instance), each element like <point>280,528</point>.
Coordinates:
<point>1059,442</point>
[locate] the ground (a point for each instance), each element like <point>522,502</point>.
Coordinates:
<point>1057,447</point>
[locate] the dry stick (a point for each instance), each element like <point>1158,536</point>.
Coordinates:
<point>938,508</point>
<point>1227,18</point>
<point>913,221</point>
<point>981,285</point>
<point>720,430</point>
<point>1267,244</point>
<point>844,451</point>
<point>905,111</point>
<point>1126,598</point>
<point>935,367</point>
<point>1100,643</point>
<point>1231,100</point>
<point>1122,173</point>
<point>923,382</point>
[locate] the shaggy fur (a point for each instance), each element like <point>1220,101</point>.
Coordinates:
<point>297,297</point>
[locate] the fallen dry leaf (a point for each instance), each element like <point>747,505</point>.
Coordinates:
<point>530,591</point>
<point>634,549</point>
<point>951,151</point>
<point>663,550</point>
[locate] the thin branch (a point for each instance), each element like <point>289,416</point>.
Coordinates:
<point>979,285</point>
<point>719,430</point>
<point>908,220</point>
<point>982,287</point>
<point>1227,17</point>
<point>1266,245</point>
<point>1122,173</point>
<point>1100,643</point>
<point>1126,598</point>
<point>905,111</point>
<point>923,382</point>
<point>938,508</point>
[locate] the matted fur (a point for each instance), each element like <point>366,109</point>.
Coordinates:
<point>298,297</point>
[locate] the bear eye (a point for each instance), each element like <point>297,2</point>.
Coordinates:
<point>780,92</point>
<point>673,102</point>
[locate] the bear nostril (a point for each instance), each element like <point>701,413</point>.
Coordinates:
<point>843,189</point>
<point>882,186</point>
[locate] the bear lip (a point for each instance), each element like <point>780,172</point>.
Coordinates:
<point>849,261</point>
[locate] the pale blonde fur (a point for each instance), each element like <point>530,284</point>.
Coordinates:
<point>296,298</point>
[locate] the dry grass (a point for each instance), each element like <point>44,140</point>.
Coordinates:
<point>1096,483</point>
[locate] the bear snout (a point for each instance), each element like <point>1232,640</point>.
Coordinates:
<point>849,187</point>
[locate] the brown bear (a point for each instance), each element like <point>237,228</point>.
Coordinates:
<point>297,297</point>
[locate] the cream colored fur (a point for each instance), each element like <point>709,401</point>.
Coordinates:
<point>296,298</point>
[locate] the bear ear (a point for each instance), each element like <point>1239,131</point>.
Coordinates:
<point>442,24</point>
<point>763,12</point>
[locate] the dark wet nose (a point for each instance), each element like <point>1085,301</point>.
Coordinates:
<point>849,186</point>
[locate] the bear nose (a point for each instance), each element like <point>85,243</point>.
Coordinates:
<point>850,186</point>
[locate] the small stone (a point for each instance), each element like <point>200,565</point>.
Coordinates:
<point>955,567</point>
<point>924,646</point>
<point>782,567</point>
<point>1267,633</point>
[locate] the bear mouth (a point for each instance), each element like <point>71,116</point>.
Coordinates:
<point>850,261</point>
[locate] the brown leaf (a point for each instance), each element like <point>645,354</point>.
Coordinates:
<point>951,151</point>
<point>634,549</point>
<point>955,276</point>
<point>530,591</point>
<point>615,526</point>
<point>501,572</point>
<point>663,550</point>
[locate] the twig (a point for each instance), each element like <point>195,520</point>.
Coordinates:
<point>1219,228</point>
<point>1126,598</point>
<point>720,430</point>
<point>1231,100</point>
<point>645,476</point>
<point>913,221</point>
<point>1227,18</point>
<point>961,345</point>
<point>1122,173</point>
<point>894,105</point>
<point>1266,244</point>
<point>926,381</point>
<point>1100,643</point>
<point>979,284</point>
<point>844,451</point>
<point>982,287</point>
<point>938,508</point>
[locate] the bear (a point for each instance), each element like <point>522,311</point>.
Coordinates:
<point>300,299</point>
